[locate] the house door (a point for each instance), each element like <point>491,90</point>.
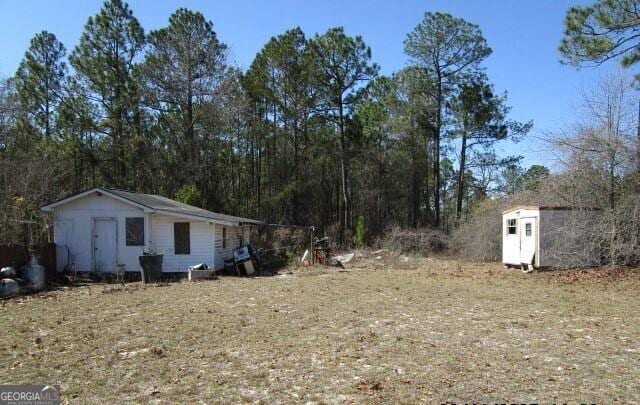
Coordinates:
<point>527,240</point>
<point>105,245</point>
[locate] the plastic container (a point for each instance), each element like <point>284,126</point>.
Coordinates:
<point>34,274</point>
<point>151,266</point>
<point>9,288</point>
<point>7,272</point>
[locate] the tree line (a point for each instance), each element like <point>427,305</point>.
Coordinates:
<point>310,134</point>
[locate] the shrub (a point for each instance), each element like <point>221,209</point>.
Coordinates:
<point>189,194</point>
<point>423,241</point>
<point>360,236</point>
<point>480,236</point>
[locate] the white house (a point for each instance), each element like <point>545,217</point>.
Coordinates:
<point>546,236</point>
<point>103,228</point>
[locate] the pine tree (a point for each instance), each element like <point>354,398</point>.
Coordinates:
<point>345,64</point>
<point>39,81</point>
<point>104,61</point>
<point>446,48</point>
<point>182,72</point>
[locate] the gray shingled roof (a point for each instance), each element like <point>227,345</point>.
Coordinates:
<point>160,203</point>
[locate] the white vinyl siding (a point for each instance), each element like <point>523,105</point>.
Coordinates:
<point>201,236</point>
<point>73,231</point>
<point>73,235</point>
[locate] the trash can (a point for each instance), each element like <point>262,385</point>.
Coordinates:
<point>151,266</point>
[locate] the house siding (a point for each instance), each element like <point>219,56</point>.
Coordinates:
<point>74,235</point>
<point>73,231</point>
<point>201,238</point>
<point>225,253</point>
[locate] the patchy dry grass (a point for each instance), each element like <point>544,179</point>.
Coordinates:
<point>437,331</point>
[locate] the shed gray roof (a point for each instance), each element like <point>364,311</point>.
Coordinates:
<point>158,202</point>
<point>161,204</point>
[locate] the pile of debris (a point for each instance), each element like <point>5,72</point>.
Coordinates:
<point>245,262</point>
<point>323,254</point>
<point>30,278</point>
<point>200,272</point>
<point>386,258</point>
<point>404,257</point>
<point>424,242</point>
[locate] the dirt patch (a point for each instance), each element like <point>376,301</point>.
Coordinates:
<point>439,331</point>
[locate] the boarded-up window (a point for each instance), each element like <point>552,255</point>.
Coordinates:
<point>224,238</point>
<point>512,226</point>
<point>182,238</point>
<point>135,231</point>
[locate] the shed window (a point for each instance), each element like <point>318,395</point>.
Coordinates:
<point>182,238</point>
<point>224,237</point>
<point>135,231</point>
<point>527,229</point>
<point>512,226</point>
<point>240,241</point>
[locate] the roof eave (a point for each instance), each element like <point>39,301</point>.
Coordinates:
<point>232,221</point>
<point>51,206</point>
<point>195,217</point>
<point>547,208</point>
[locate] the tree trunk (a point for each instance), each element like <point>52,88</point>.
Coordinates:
<point>344,174</point>
<point>296,175</point>
<point>189,134</point>
<point>415,193</point>
<point>461,170</point>
<point>436,154</point>
<point>117,146</point>
<point>427,202</point>
<point>47,119</point>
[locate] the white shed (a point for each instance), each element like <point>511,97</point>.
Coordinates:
<point>102,229</point>
<point>538,236</point>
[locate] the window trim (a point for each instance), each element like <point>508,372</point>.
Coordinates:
<point>139,242</point>
<point>185,245</point>
<point>224,237</point>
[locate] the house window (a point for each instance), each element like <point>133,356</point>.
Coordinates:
<point>512,226</point>
<point>135,231</point>
<point>224,237</point>
<point>181,238</point>
<point>527,229</point>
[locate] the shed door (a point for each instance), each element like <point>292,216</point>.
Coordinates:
<point>105,245</point>
<point>527,239</point>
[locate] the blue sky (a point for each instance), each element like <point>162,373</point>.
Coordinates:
<point>524,36</point>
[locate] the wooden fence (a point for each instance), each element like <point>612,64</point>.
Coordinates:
<point>17,256</point>
<point>13,255</point>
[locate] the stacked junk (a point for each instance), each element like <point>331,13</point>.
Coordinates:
<point>29,278</point>
<point>244,262</point>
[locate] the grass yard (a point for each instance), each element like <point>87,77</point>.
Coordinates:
<point>436,331</point>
